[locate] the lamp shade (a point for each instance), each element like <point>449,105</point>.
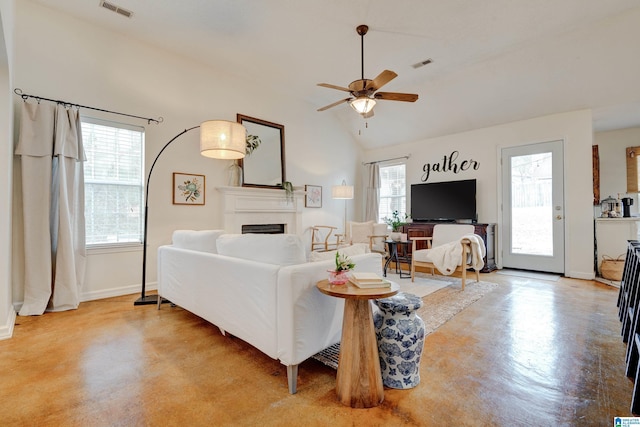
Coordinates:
<point>343,191</point>
<point>223,139</point>
<point>363,104</point>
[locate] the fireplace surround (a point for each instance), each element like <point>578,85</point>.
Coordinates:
<point>247,206</point>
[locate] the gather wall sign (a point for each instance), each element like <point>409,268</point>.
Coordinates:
<point>449,163</point>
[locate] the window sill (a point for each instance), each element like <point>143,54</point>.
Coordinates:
<point>114,248</point>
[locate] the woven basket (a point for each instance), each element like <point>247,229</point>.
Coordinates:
<point>612,268</point>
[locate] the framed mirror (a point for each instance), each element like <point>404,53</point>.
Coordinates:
<point>265,165</point>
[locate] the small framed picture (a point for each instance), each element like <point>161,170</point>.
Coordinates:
<point>188,189</point>
<point>314,196</point>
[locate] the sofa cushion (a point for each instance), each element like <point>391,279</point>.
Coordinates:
<point>279,249</point>
<point>379,229</point>
<point>197,240</point>
<point>360,231</point>
<point>445,233</point>
<point>356,249</point>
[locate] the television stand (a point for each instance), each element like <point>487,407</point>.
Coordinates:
<point>486,231</point>
<point>435,221</point>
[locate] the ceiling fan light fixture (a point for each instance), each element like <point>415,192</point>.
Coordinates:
<point>363,104</point>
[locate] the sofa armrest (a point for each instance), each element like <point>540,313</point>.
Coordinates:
<point>309,321</point>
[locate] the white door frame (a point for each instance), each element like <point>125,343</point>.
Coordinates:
<point>500,199</point>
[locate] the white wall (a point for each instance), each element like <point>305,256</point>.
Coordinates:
<point>613,164</point>
<point>484,145</point>
<point>7,313</point>
<point>60,57</point>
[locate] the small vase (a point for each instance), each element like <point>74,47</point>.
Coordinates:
<point>338,277</point>
<point>395,236</point>
<point>235,175</point>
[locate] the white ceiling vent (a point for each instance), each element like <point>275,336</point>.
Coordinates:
<point>422,63</point>
<point>117,9</point>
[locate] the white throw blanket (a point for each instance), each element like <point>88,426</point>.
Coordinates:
<point>448,257</point>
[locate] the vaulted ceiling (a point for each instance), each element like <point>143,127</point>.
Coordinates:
<point>494,61</point>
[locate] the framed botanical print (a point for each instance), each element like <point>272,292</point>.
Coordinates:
<point>313,197</point>
<point>188,189</point>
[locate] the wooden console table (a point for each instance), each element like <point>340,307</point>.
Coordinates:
<point>486,231</point>
<point>359,379</point>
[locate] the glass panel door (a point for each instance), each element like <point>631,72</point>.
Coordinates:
<point>533,207</point>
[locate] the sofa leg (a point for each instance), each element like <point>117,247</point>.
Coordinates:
<point>292,378</point>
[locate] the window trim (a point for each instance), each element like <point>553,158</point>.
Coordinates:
<point>116,247</point>
<point>107,248</point>
<point>391,163</point>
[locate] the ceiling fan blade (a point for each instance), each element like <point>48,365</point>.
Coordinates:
<point>327,85</point>
<point>382,79</point>
<point>395,96</point>
<point>326,107</point>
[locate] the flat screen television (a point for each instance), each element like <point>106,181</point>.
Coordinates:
<point>444,201</point>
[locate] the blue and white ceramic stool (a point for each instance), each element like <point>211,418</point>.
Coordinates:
<point>400,334</point>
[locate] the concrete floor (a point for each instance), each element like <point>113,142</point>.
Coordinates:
<point>531,353</point>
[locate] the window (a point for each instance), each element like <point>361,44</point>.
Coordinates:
<point>393,191</point>
<point>114,182</point>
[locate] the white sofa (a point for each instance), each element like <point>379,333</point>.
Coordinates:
<point>259,288</point>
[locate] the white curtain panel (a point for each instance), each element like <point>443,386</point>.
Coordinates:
<point>51,152</point>
<point>373,192</point>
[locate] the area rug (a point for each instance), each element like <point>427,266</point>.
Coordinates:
<point>423,285</point>
<point>440,305</point>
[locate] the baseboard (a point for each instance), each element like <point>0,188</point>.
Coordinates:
<point>115,292</point>
<point>607,282</point>
<point>94,295</point>
<point>6,331</point>
<point>581,275</point>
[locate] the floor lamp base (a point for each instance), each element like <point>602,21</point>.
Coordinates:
<point>149,299</point>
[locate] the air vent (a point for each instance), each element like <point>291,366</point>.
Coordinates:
<point>117,9</point>
<point>423,63</point>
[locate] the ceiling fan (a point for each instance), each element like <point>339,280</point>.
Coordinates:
<point>363,92</point>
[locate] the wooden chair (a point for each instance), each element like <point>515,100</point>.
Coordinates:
<point>320,236</point>
<point>444,234</point>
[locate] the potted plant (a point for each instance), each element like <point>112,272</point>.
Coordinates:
<point>235,171</point>
<point>253,142</point>
<point>395,223</point>
<point>288,190</point>
<point>340,275</point>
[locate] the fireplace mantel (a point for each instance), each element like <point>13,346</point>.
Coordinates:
<point>249,205</point>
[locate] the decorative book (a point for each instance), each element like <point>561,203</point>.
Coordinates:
<point>368,280</point>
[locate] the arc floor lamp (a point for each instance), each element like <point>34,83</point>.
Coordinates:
<point>219,139</point>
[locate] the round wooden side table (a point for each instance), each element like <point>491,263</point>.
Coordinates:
<point>358,380</point>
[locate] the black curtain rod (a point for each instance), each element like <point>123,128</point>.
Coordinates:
<point>387,160</point>
<point>24,96</point>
